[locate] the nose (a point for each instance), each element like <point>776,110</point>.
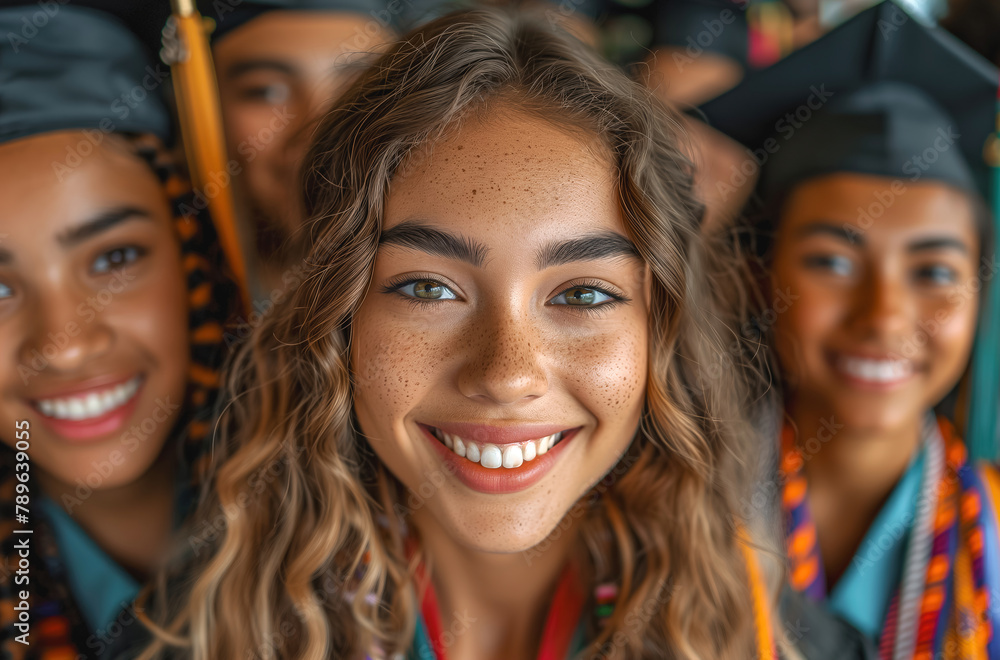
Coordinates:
<point>884,309</point>
<point>65,332</point>
<point>505,364</point>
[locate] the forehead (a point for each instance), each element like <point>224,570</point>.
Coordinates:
<point>885,208</point>
<point>307,39</point>
<point>508,175</point>
<point>44,186</point>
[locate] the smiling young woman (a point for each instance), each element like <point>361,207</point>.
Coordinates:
<point>110,332</point>
<point>876,229</point>
<point>490,410</point>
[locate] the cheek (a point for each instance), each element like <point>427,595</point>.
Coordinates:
<point>950,331</point>
<point>155,316</point>
<point>393,362</point>
<point>802,314</point>
<point>249,134</point>
<point>607,371</point>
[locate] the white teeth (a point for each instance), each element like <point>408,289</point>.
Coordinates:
<point>492,458</point>
<point>90,406</point>
<point>472,452</point>
<point>876,371</point>
<point>76,409</point>
<point>529,451</point>
<point>512,456</point>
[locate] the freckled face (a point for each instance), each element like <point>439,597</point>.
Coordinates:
<point>526,336</point>
<point>884,313</point>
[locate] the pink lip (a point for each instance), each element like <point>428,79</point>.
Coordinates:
<point>500,481</point>
<point>82,431</point>
<point>498,435</point>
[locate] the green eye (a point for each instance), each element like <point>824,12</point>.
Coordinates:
<point>580,296</point>
<point>427,290</point>
<point>5,291</point>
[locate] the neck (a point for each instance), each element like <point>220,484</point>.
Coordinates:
<point>502,599</point>
<point>132,523</point>
<point>851,473</point>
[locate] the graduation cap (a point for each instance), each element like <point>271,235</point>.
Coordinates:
<point>887,95</point>
<point>231,14</point>
<point>716,26</point>
<point>872,96</point>
<point>75,68</point>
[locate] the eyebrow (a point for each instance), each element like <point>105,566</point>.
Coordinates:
<point>599,245</point>
<point>416,235</point>
<point>856,237</point>
<point>6,257</point>
<point>844,233</point>
<point>938,243</point>
<point>101,223</point>
<point>248,66</point>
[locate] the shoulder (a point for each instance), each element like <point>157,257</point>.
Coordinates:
<point>818,635</point>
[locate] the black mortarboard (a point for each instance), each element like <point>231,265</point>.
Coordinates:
<point>75,68</point>
<point>231,14</point>
<point>887,95</point>
<point>882,94</point>
<point>716,26</point>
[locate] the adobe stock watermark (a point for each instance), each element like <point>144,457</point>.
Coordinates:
<point>637,620</point>
<point>785,128</point>
<point>256,483</point>
<point>897,19</point>
<point>242,328</point>
<point>163,414</point>
<point>781,302</point>
<point>580,507</point>
<point>39,359</point>
<point>218,181</point>
<point>764,491</point>
<point>119,110</point>
<point>916,167</point>
<point>928,329</point>
<point>33,23</point>
<point>698,43</point>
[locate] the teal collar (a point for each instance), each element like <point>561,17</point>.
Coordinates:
<point>863,593</point>
<point>100,586</point>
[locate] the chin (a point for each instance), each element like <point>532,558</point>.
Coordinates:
<point>864,417</point>
<point>511,534</point>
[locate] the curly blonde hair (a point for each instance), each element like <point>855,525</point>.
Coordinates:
<point>301,566</point>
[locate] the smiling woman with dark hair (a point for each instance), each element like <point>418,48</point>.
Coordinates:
<point>489,410</point>
<point>110,333</point>
<point>876,225</point>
